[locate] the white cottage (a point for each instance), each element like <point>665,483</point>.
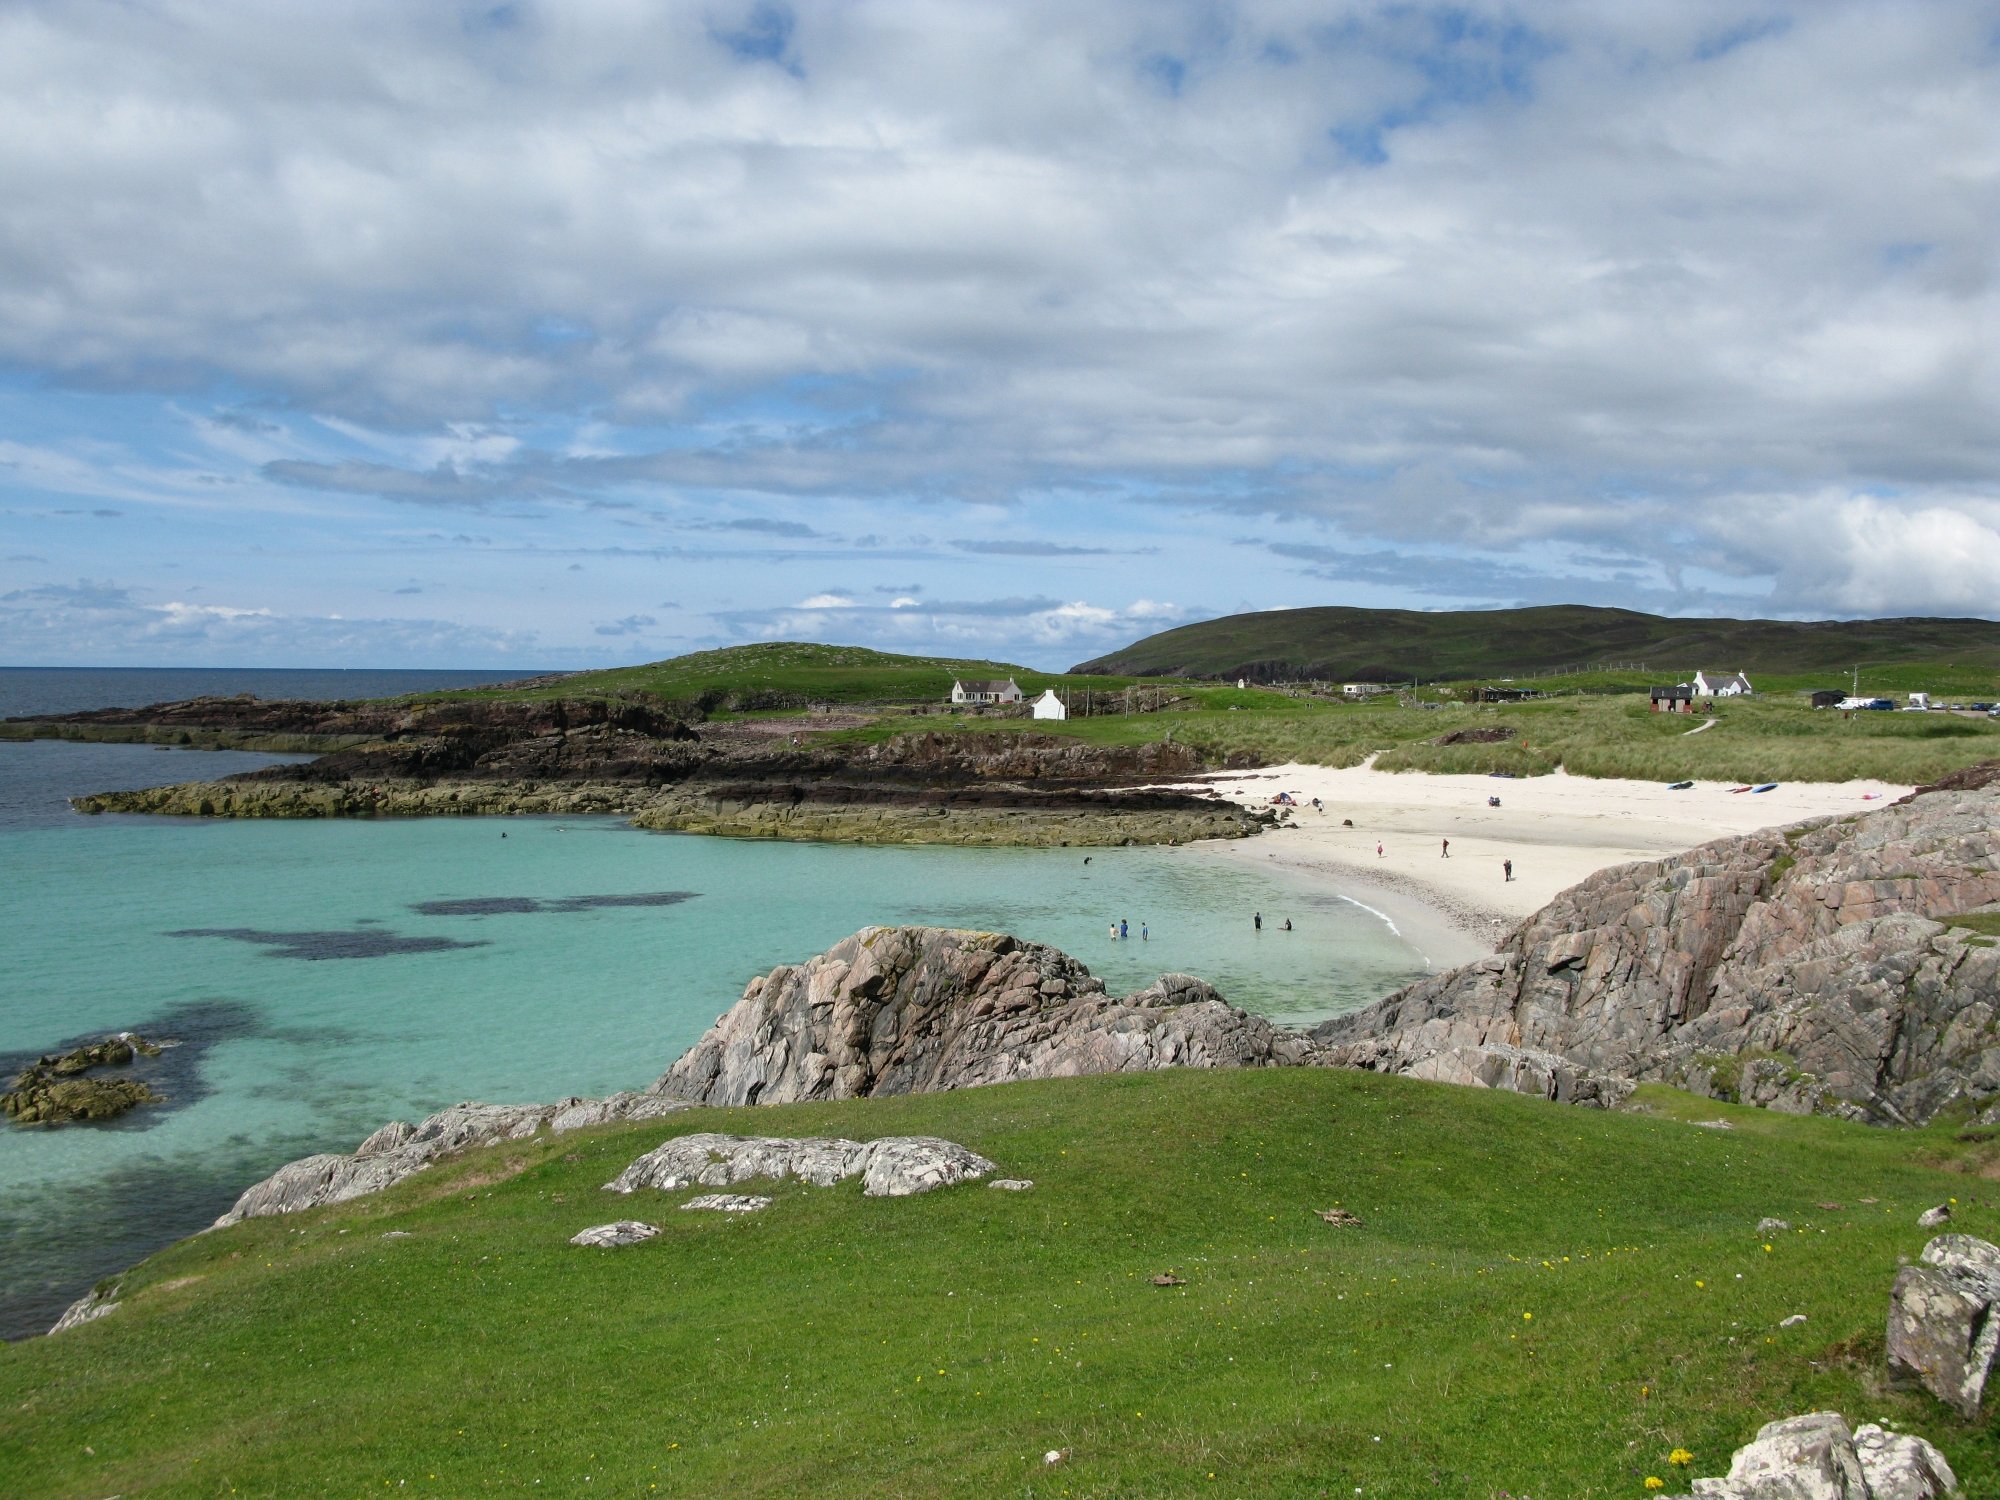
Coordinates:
<point>1721,685</point>
<point>1049,706</point>
<point>969,692</point>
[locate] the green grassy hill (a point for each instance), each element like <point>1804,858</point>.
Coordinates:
<point>1539,1301</point>
<point>785,674</point>
<point>1395,645</point>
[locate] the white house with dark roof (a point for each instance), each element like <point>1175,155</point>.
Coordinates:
<point>972,692</point>
<point>1721,685</point>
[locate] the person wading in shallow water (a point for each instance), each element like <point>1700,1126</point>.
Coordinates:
<point>1257,920</point>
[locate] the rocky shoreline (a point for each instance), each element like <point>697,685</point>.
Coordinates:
<point>680,774</point>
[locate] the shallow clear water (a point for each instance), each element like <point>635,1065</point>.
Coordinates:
<point>327,976</point>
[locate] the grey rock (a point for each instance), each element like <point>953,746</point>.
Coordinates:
<point>91,1306</point>
<point>1932,1218</point>
<point>612,1236</point>
<point>910,1010</point>
<point>1807,970</point>
<point>1011,1184</point>
<point>399,1149</point>
<point>893,1167</point>
<point>729,1203</point>
<point>1772,1226</point>
<point>1942,1329</point>
<point>1800,1458</point>
<point>1901,1467</point>
<point>1793,1321</point>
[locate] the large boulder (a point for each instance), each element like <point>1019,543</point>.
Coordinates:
<point>1943,1325</point>
<point>913,1010</point>
<point>1818,969</point>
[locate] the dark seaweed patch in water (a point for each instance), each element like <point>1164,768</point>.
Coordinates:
<point>323,945</point>
<point>503,906</point>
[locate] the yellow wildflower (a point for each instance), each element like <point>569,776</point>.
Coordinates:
<point>1654,1482</point>
<point>1680,1458</point>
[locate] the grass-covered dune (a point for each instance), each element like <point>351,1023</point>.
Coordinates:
<point>1539,1301</point>
<point>1394,645</point>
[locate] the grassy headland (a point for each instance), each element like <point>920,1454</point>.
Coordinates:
<point>1539,1300</point>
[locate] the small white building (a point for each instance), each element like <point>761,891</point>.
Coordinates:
<point>1363,689</point>
<point>969,692</point>
<point>1721,685</point>
<point>1049,706</point>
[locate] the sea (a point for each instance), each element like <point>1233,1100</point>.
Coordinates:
<point>319,978</point>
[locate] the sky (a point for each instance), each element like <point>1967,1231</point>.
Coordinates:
<point>571,334</point>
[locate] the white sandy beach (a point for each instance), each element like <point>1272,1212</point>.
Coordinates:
<point>1557,829</point>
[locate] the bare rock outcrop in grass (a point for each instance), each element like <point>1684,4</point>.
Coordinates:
<point>917,1010</point>
<point>400,1149</point>
<point>896,1166</point>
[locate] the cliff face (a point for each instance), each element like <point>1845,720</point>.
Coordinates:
<point>1814,969</point>
<point>911,1010</point>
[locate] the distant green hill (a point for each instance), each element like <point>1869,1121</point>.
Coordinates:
<point>1391,645</point>
<point>774,674</point>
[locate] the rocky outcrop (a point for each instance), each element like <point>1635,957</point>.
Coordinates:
<point>88,1308</point>
<point>1832,968</point>
<point>1816,1457</point>
<point>912,1010</point>
<point>1944,1321</point>
<point>634,757</point>
<point>58,1089</point>
<point>614,1236</point>
<point>893,1167</point>
<point>399,1149</point>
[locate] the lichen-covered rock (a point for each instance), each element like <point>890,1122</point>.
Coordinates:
<point>1815,1457</point>
<point>729,1203</point>
<point>893,1167</point>
<point>912,1010</point>
<point>1899,1466</point>
<point>1944,1320</point>
<point>614,1235</point>
<point>399,1149</point>
<point>1809,970</point>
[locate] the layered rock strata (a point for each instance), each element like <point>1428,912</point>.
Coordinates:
<point>912,1010</point>
<point>1841,966</point>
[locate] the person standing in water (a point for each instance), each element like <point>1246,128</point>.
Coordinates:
<point>1257,920</point>
<point>1124,931</point>
<point>1145,933</point>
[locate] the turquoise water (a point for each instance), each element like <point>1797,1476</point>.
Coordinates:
<point>328,976</point>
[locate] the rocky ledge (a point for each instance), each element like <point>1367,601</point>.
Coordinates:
<point>1846,966</point>
<point>671,771</point>
<point>58,1089</point>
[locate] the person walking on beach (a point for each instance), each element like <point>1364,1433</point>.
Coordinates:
<point>1508,866</point>
<point>1447,850</point>
<point>1378,851</point>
